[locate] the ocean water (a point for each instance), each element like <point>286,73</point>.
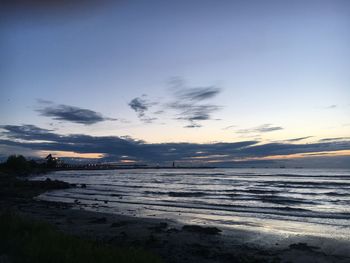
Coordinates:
<point>312,202</point>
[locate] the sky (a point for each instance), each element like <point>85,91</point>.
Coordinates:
<point>256,82</point>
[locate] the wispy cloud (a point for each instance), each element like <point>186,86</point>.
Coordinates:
<point>141,105</point>
<point>260,129</point>
<point>334,139</point>
<point>298,139</point>
<point>70,113</point>
<point>197,94</point>
<point>229,127</point>
<point>190,103</point>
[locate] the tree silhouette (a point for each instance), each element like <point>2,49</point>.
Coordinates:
<point>51,162</point>
<point>17,163</point>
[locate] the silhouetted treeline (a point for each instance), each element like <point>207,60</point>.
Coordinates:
<point>20,165</point>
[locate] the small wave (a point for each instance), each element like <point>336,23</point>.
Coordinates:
<point>337,194</point>
<point>177,194</point>
<point>260,191</point>
<point>284,200</point>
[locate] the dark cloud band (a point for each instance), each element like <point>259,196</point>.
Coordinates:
<point>114,148</point>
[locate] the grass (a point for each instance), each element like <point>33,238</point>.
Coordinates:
<point>29,241</point>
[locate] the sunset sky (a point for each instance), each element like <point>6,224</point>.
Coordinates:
<point>190,81</point>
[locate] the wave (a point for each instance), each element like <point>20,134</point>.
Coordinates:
<point>277,211</point>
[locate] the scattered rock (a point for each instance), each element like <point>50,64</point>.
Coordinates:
<point>119,224</point>
<point>202,230</point>
<point>302,246</point>
<point>172,230</point>
<point>50,184</point>
<point>159,227</point>
<point>101,220</point>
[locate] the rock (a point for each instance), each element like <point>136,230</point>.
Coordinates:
<point>159,227</point>
<point>101,220</point>
<point>119,224</point>
<point>172,230</point>
<point>83,185</point>
<point>52,184</point>
<point>202,230</point>
<point>302,246</point>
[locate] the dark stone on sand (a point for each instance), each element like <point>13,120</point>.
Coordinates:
<point>101,220</point>
<point>172,230</point>
<point>119,224</point>
<point>83,185</point>
<point>200,250</point>
<point>50,184</point>
<point>302,246</point>
<point>202,230</point>
<point>159,227</point>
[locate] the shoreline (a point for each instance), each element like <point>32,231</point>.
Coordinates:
<point>173,241</point>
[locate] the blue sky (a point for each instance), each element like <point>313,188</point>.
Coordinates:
<point>276,70</point>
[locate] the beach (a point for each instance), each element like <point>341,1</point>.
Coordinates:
<point>175,241</point>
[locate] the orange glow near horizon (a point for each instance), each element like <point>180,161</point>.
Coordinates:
<point>127,161</point>
<point>300,155</point>
<point>68,154</point>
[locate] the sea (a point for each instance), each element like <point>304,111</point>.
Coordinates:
<point>312,202</point>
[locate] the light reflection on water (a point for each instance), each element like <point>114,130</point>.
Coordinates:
<point>300,201</point>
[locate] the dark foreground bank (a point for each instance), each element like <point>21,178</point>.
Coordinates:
<point>116,235</point>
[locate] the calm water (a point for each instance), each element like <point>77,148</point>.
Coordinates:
<point>300,201</point>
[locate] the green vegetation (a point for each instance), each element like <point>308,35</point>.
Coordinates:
<point>29,241</point>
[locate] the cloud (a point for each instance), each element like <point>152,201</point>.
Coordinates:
<point>260,129</point>
<point>115,148</point>
<point>229,127</point>
<point>333,106</point>
<point>188,102</point>
<point>193,113</point>
<point>141,105</point>
<point>335,139</point>
<point>71,113</point>
<point>193,125</point>
<point>298,139</point>
<point>197,94</point>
